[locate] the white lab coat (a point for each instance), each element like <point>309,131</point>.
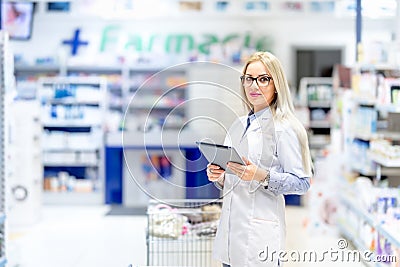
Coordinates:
<point>252,222</point>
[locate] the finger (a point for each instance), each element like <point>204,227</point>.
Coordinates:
<point>214,167</point>
<point>235,166</point>
<point>214,177</point>
<point>236,172</point>
<point>238,169</point>
<point>214,174</point>
<point>246,160</point>
<point>218,172</point>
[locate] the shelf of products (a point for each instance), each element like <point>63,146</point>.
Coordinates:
<point>162,92</point>
<point>158,97</point>
<point>369,210</point>
<point>371,116</point>
<point>371,225</point>
<point>317,96</point>
<point>73,111</point>
<point>114,75</point>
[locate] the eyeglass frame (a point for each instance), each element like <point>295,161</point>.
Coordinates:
<point>255,79</point>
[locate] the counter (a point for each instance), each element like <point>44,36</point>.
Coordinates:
<point>162,165</point>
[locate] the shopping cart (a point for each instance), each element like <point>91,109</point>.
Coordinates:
<point>181,232</point>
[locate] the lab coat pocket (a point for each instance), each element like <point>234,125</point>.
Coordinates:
<point>264,243</point>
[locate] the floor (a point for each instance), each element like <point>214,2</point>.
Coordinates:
<point>82,236</point>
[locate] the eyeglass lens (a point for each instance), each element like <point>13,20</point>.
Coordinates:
<point>247,80</point>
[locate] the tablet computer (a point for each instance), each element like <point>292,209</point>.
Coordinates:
<point>219,154</point>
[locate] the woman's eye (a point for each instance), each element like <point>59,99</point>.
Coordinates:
<point>249,79</point>
<point>263,79</point>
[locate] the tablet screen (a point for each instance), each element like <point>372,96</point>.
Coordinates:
<point>219,154</point>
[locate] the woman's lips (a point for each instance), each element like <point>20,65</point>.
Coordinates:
<point>255,94</point>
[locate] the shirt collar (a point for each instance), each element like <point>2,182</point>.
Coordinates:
<point>266,112</point>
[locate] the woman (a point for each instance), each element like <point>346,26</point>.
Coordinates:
<point>274,146</point>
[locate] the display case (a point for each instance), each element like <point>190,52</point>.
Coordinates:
<point>154,94</point>
<point>115,77</point>
<point>371,227</point>
<point>370,121</point>
<point>317,94</point>
<point>369,205</point>
<point>73,111</point>
<point>156,98</point>
<point>27,76</point>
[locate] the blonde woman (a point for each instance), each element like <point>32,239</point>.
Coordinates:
<point>274,146</point>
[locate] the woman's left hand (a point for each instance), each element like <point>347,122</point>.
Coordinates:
<point>247,172</point>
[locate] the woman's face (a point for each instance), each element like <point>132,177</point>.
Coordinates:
<point>259,94</point>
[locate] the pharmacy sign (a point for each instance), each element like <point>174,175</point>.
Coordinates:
<point>115,38</point>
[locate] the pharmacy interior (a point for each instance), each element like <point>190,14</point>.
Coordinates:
<point>102,103</point>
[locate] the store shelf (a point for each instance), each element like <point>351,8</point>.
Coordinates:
<point>94,69</point>
<point>367,171</point>
<point>68,129</point>
<point>364,101</point>
<point>358,210</point>
<point>153,107</point>
<point>70,149</point>
<point>94,82</point>
<point>319,104</point>
<point>383,161</point>
<point>351,236</point>
<point>395,136</point>
<point>37,68</point>
<point>320,124</point>
<point>316,93</point>
<point>374,103</point>
<point>393,238</point>
<point>70,164</point>
<point>157,68</point>
<point>69,124</point>
<point>71,102</point>
<point>319,140</point>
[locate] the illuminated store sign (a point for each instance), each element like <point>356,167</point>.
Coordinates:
<point>114,38</point>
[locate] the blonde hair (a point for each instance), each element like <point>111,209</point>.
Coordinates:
<point>281,106</point>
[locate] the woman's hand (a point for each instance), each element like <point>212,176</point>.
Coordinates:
<point>247,172</point>
<point>215,173</point>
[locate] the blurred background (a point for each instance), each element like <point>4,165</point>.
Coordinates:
<point>102,102</point>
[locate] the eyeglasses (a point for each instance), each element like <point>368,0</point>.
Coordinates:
<point>262,80</point>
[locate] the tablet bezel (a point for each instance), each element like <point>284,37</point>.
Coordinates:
<point>221,155</point>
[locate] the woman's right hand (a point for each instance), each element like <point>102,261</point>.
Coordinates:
<point>215,173</point>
